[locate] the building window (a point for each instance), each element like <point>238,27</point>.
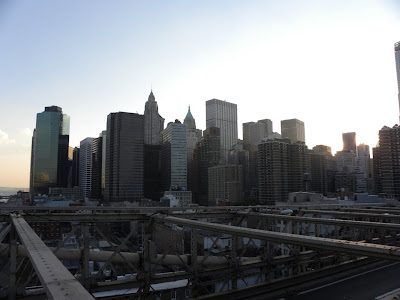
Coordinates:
<point>173,295</point>
<point>187,293</point>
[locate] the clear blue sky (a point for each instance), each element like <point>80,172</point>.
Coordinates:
<point>327,63</point>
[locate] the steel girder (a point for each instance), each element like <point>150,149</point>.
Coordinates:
<point>57,281</point>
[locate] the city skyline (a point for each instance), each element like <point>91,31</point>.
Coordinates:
<point>328,65</point>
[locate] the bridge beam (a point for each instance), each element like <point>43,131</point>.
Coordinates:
<point>358,248</point>
<point>57,281</point>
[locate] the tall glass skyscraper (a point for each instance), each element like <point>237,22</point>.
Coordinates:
<point>49,157</point>
<point>397,57</point>
<point>223,115</point>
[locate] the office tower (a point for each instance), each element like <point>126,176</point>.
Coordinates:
<point>349,141</point>
<point>387,162</point>
<point>223,115</point>
<point>206,155</point>
<point>103,162</point>
<point>273,171</point>
<point>268,126</point>
<point>300,163</point>
<point>330,168</point>
<point>258,131</point>
<point>377,170</point>
<point>153,122</point>
<point>281,169</point>
<point>248,160</point>
<point>152,172</point>
<point>225,184</point>
<point>174,156</point>
<point>293,129</point>
<point>193,135</point>
<point>345,178</point>
<point>363,169</point>
<point>49,166</point>
<point>85,166</point>
<point>397,57</point>
<point>97,167</point>
<point>124,157</point>
<point>75,168</point>
<point>345,161</point>
<point>323,149</point>
<point>246,135</point>
<point>319,174</point>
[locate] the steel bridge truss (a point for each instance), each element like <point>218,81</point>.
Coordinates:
<point>208,252</point>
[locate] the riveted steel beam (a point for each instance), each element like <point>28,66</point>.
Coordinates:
<point>57,281</point>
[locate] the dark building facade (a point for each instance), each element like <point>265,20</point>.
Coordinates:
<point>349,141</point>
<point>152,172</point>
<point>209,156</point>
<point>124,157</point>
<point>281,169</point>
<point>75,168</point>
<point>273,171</point>
<point>97,154</point>
<point>387,162</point>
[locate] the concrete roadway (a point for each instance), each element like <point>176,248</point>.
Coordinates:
<point>364,286</point>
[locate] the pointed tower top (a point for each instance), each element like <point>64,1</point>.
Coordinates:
<point>189,115</point>
<point>151,96</point>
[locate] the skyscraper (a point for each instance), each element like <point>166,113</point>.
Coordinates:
<point>153,122</point>
<point>85,166</point>
<point>273,171</point>
<point>387,162</point>
<point>293,129</point>
<point>259,131</point>
<point>124,157</point>
<point>49,165</point>
<point>225,183</point>
<point>174,156</point>
<point>349,141</point>
<point>281,169</point>
<point>223,115</point>
<point>209,155</point>
<point>193,135</point>
<point>246,134</point>
<point>97,167</point>
<point>397,57</point>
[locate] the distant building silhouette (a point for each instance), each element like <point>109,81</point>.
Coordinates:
<point>349,142</point>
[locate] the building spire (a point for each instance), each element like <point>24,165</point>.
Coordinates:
<point>151,96</point>
<point>189,115</point>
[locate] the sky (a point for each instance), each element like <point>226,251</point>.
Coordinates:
<point>328,63</point>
